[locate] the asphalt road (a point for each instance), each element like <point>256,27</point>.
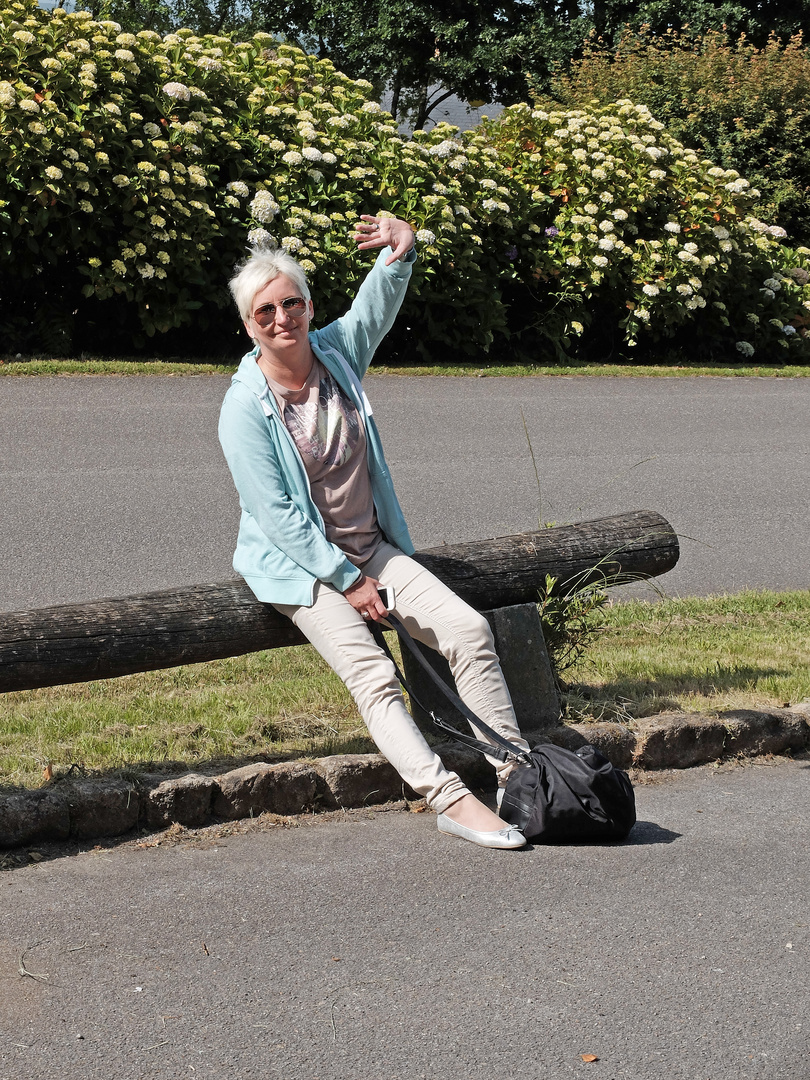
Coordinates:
<point>373,948</point>
<point>112,486</point>
<point>369,947</point>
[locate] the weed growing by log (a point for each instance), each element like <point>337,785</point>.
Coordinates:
<point>571,617</point>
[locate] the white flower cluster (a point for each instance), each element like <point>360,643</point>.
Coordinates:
<point>493,206</point>
<point>177,90</point>
<point>264,207</point>
<point>443,149</point>
<point>260,238</point>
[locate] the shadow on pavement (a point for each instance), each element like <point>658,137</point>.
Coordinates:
<point>647,832</point>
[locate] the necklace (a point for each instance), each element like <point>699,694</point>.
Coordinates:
<point>288,389</point>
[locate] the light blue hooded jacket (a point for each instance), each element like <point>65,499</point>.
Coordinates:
<point>282,549</point>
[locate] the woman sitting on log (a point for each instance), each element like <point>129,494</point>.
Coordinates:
<point>321,528</point>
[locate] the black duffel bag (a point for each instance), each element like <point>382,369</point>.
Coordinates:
<point>553,795</point>
<point>563,797</point>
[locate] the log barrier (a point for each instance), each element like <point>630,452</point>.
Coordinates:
<point>107,638</point>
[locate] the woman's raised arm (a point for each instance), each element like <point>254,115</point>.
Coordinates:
<point>377,232</point>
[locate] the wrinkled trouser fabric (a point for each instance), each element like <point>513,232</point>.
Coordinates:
<point>436,617</point>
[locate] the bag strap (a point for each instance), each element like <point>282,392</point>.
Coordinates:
<point>502,751</point>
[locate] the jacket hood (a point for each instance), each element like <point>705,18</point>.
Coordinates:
<point>250,373</point>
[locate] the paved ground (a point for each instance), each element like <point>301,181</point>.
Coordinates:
<point>372,948</point>
<point>112,486</point>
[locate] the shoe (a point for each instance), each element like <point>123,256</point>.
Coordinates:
<point>510,837</point>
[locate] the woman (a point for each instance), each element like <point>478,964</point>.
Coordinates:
<point>321,529</point>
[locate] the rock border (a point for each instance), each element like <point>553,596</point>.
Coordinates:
<point>88,808</point>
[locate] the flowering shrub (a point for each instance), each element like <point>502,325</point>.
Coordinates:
<point>135,169</point>
<point>649,242</point>
<point>744,107</point>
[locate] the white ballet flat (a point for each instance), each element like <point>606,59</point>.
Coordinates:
<point>510,837</point>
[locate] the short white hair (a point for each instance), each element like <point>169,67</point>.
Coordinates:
<point>258,270</point>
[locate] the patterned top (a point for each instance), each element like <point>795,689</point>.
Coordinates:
<point>329,434</point>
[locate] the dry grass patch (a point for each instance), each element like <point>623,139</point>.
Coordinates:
<point>274,705</point>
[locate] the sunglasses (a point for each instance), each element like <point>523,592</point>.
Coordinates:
<point>295,306</point>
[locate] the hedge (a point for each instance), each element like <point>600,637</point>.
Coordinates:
<point>137,169</point>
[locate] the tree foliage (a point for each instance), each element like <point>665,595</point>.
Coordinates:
<point>165,16</point>
<point>421,52</point>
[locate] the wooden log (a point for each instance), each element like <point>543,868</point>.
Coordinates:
<point>107,638</point>
<point>511,569</point>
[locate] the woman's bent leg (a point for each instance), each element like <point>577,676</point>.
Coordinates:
<point>342,638</point>
<point>434,615</point>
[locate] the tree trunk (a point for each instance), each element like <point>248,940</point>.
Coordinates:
<point>421,114</point>
<point>107,638</point>
<point>396,89</point>
<point>431,105</point>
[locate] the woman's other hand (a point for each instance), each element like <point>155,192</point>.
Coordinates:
<point>377,232</point>
<point>363,597</point>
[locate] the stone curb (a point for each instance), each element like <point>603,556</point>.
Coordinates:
<point>85,809</point>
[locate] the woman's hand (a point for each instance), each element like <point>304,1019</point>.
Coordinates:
<point>377,232</point>
<point>363,597</point>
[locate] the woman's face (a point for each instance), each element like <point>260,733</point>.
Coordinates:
<point>278,332</point>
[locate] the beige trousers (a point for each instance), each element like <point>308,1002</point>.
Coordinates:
<point>435,616</point>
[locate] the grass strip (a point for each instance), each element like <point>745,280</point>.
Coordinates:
<point>616,371</point>
<point>279,704</point>
<point>112,367</point>
<point>745,650</point>
<point>179,367</point>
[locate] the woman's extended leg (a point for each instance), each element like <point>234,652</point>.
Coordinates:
<point>342,638</point>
